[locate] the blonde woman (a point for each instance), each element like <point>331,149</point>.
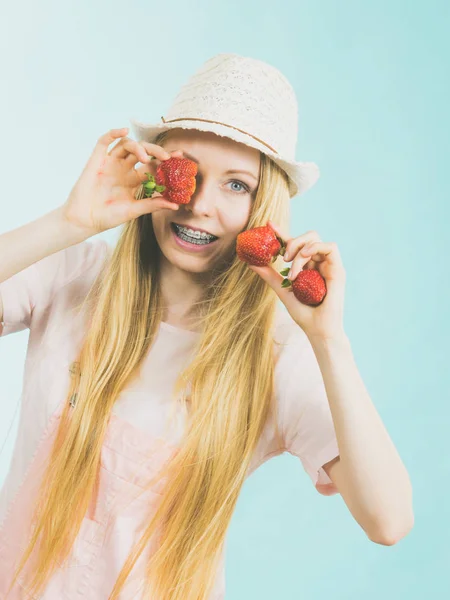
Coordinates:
<point>162,372</point>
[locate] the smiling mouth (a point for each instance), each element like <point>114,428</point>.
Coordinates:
<point>177,229</point>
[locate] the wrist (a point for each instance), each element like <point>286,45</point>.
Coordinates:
<point>69,230</point>
<point>336,339</point>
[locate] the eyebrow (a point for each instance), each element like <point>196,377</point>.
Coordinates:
<point>226,172</point>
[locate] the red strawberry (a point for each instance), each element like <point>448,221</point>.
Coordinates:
<point>259,246</point>
<point>309,286</point>
<point>175,180</point>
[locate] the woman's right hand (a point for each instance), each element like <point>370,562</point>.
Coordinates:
<point>105,194</point>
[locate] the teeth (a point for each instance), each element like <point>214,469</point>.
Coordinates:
<point>199,235</point>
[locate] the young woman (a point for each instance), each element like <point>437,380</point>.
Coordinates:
<point>161,373</point>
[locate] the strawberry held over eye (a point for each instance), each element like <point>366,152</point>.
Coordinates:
<point>259,246</point>
<point>175,180</point>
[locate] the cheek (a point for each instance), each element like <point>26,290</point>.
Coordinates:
<point>161,228</point>
<point>160,222</point>
<point>244,216</point>
<point>237,219</point>
<point>155,224</point>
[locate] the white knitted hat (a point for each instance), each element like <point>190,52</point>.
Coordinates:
<point>246,100</point>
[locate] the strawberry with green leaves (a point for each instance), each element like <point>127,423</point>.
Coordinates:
<point>317,273</point>
<point>309,286</point>
<point>175,180</point>
<point>261,246</point>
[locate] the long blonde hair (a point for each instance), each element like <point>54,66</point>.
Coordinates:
<point>231,380</point>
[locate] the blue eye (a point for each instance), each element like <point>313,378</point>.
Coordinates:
<point>246,188</point>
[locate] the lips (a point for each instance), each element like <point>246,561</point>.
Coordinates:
<point>195,228</point>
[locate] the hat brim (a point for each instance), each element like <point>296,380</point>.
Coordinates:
<point>302,175</point>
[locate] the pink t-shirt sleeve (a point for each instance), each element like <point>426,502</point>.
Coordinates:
<point>305,417</point>
<point>37,284</point>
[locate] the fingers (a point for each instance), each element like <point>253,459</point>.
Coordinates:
<point>142,170</point>
<point>284,236</point>
<point>308,251</point>
<point>111,136</point>
<point>135,151</point>
<point>149,205</point>
<point>143,151</point>
<point>147,147</point>
<point>306,256</point>
<point>309,265</point>
<point>326,251</point>
<point>319,251</point>
<point>105,140</point>
<point>155,151</point>
<point>127,149</point>
<point>314,253</point>
<point>132,152</point>
<point>139,175</point>
<point>175,153</point>
<point>295,244</point>
<point>150,147</point>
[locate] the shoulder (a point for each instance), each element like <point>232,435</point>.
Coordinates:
<point>72,263</point>
<point>78,258</point>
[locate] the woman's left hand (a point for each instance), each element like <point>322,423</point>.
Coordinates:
<point>308,251</point>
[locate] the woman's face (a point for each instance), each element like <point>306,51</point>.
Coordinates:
<point>221,203</point>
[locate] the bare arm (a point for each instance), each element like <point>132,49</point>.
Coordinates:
<point>33,241</point>
<point>103,197</point>
<point>369,474</point>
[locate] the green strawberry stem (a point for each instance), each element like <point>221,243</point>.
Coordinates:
<point>282,249</point>
<point>286,282</point>
<point>151,186</point>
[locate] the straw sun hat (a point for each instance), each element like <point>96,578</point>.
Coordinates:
<point>246,100</point>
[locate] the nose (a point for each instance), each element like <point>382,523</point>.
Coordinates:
<point>203,199</point>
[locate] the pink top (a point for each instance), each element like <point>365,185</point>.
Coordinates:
<point>41,298</point>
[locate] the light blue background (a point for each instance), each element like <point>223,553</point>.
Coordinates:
<point>372,80</point>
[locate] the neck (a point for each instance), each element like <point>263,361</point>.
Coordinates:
<point>181,291</point>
